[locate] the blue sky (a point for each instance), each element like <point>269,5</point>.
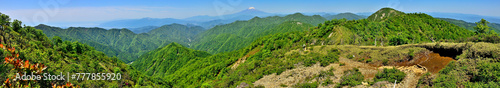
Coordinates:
<point>92,12</point>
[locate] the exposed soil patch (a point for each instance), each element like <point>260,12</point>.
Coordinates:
<point>432,62</point>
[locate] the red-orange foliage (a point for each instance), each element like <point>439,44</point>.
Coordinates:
<point>24,65</point>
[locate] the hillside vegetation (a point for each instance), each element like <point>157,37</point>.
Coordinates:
<point>123,43</point>
<point>236,35</point>
<point>166,60</point>
<point>27,49</point>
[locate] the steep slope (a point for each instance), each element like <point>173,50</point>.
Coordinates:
<point>27,49</point>
<point>348,16</point>
<point>236,35</point>
<point>384,13</point>
<point>166,60</point>
<point>124,43</point>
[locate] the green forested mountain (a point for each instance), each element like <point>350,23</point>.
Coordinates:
<point>236,35</point>
<point>123,43</point>
<point>27,49</point>
<point>348,16</point>
<point>166,60</point>
<point>276,53</point>
<point>383,14</point>
<point>470,26</point>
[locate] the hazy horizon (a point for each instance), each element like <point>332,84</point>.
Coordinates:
<point>94,12</point>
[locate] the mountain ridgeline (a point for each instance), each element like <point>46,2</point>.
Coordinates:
<point>123,43</point>
<point>144,29</point>
<point>383,14</point>
<point>236,35</point>
<point>348,16</point>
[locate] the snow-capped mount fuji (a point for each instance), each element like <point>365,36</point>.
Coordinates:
<point>252,12</point>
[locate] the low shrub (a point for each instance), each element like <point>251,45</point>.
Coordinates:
<point>390,75</point>
<point>352,78</point>
<point>307,85</point>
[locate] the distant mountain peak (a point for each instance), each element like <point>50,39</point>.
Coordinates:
<point>148,18</point>
<point>296,14</point>
<point>384,13</point>
<point>346,15</point>
<point>252,11</point>
<point>349,13</point>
